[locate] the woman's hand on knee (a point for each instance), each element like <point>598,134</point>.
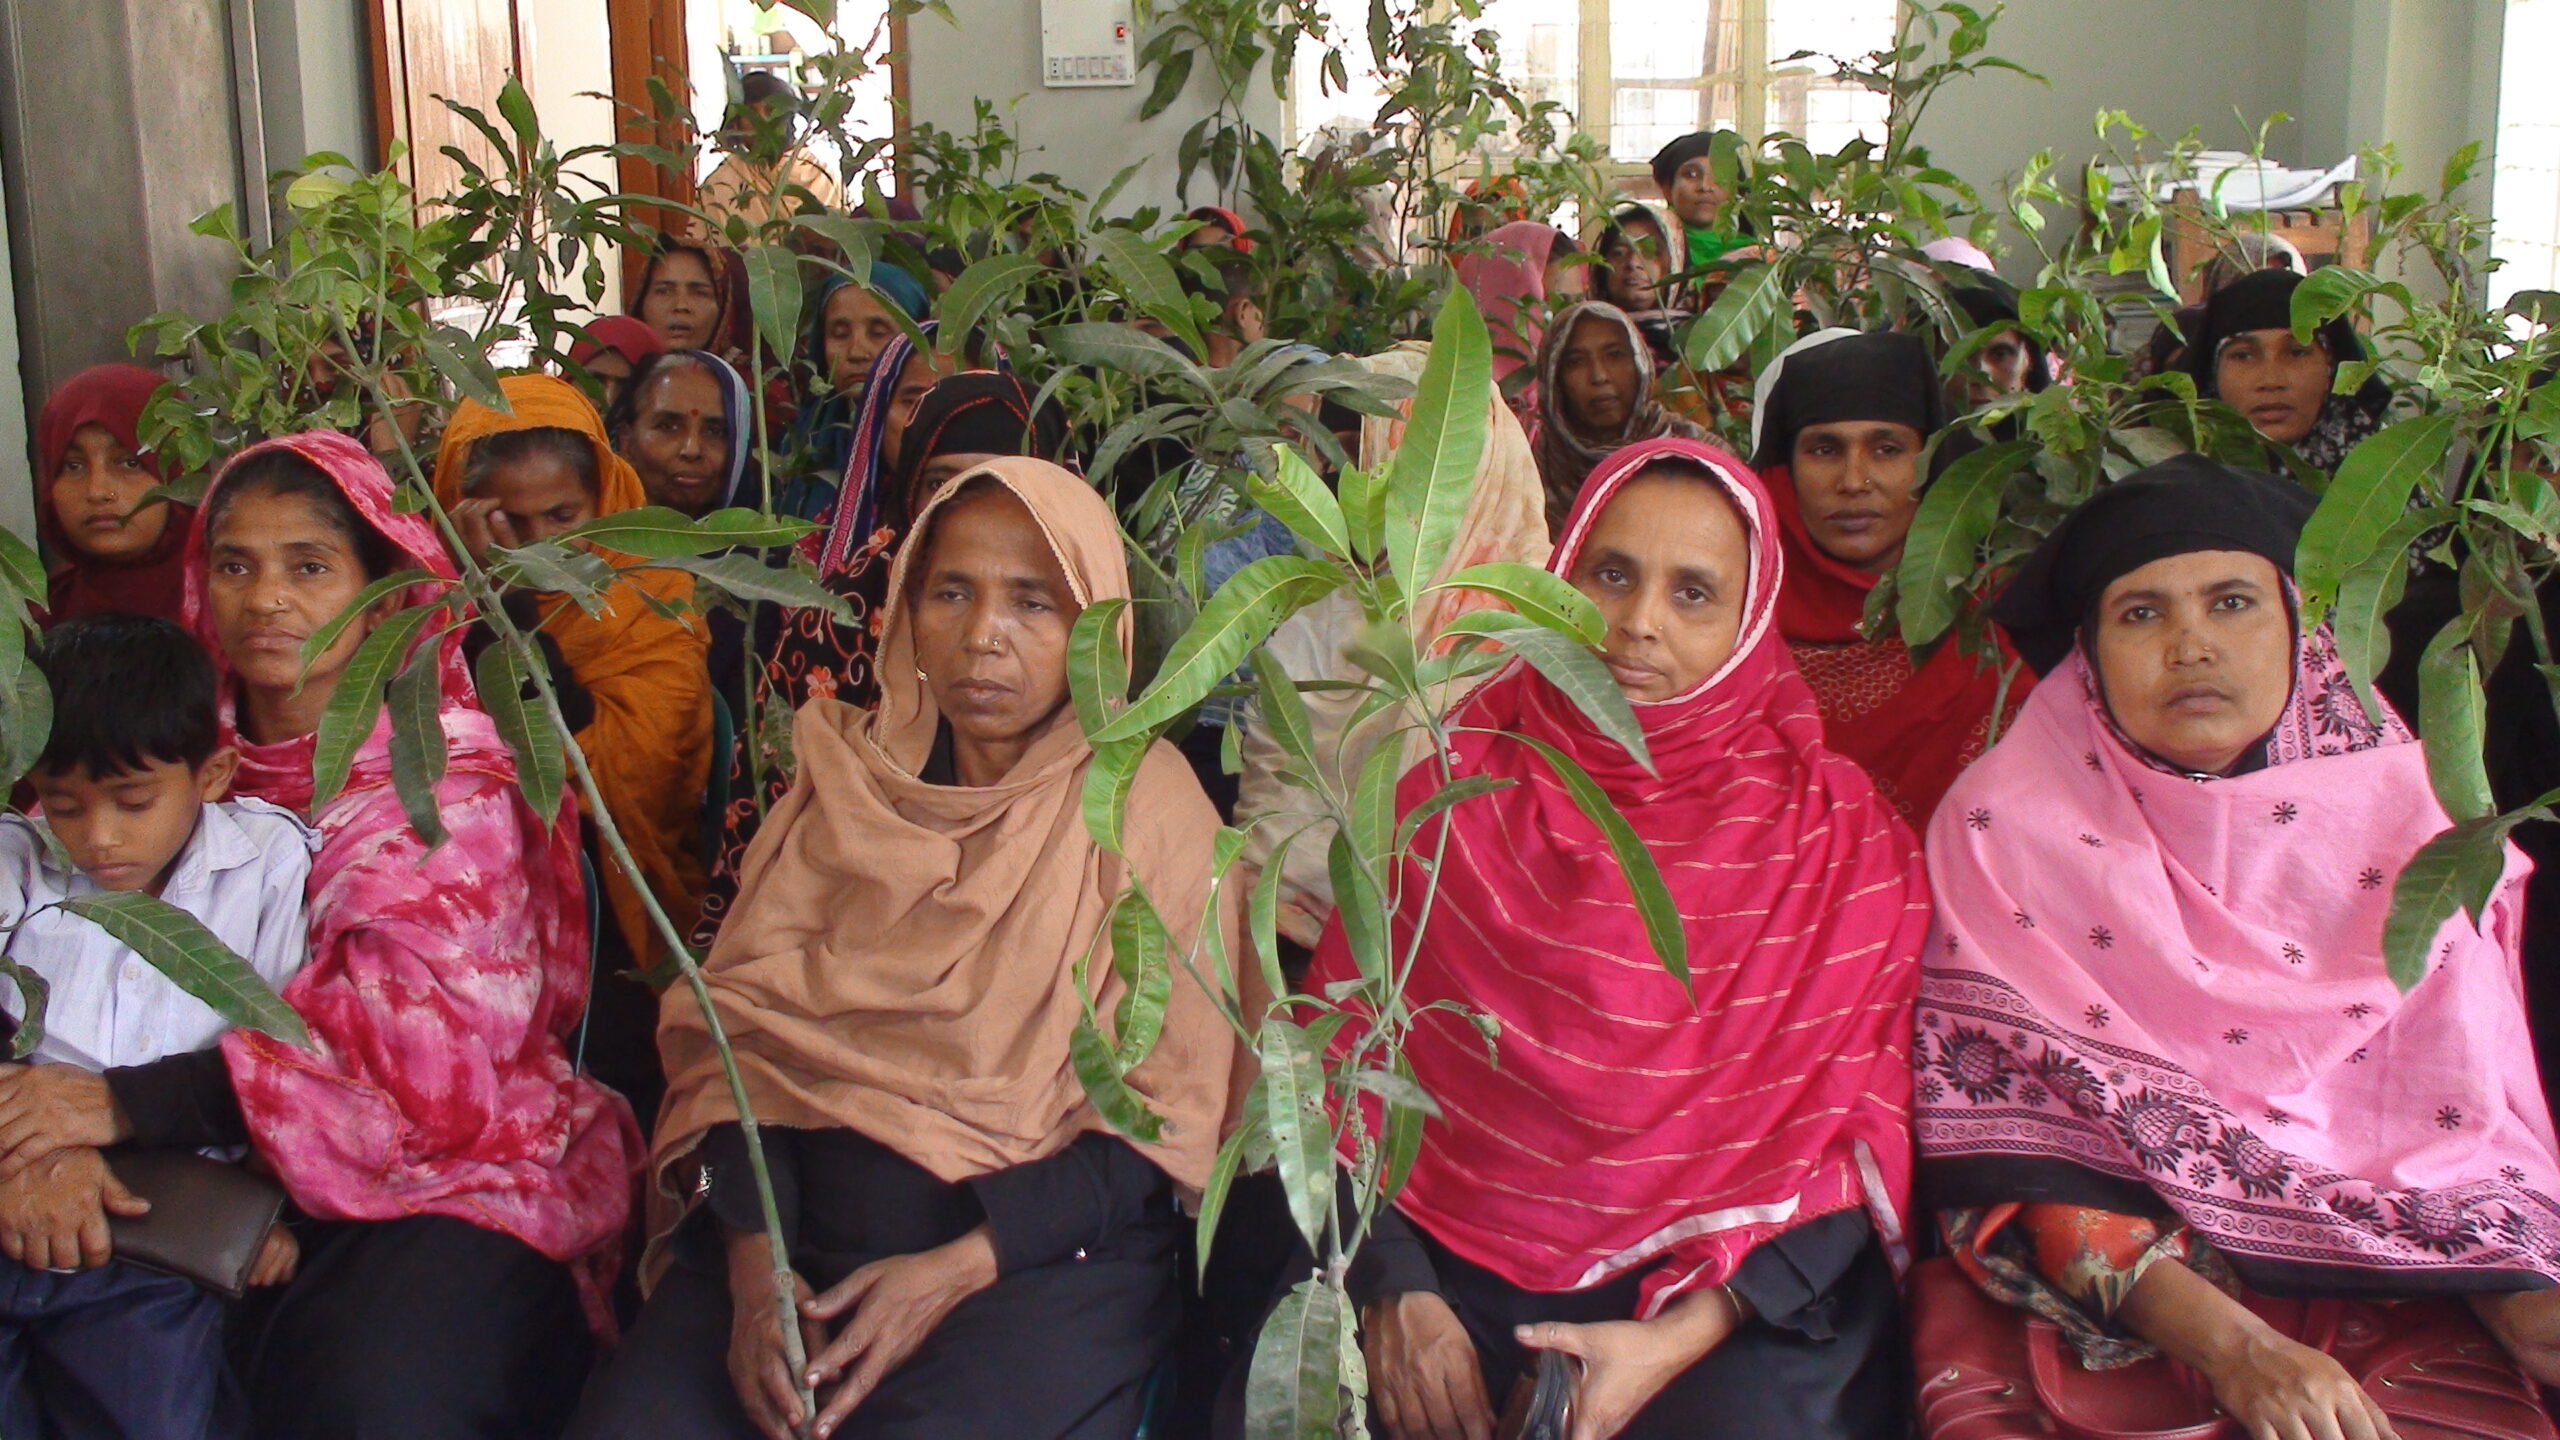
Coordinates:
<point>1423,1371</point>
<point>895,1304</point>
<point>2280,1389</point>
<point>2527,1323</point>
<point>1625,1363</point>
<point>758,1366</point>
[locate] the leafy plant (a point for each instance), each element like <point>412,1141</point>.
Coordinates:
<point>1323,1055</point>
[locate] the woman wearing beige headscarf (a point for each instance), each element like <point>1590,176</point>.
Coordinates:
<point>1505,519</point>
<point>981,1254</point>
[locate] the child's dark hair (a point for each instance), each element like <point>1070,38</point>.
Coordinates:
<point>128,691</point>
<point>282,472</point>
<point>533,442</point>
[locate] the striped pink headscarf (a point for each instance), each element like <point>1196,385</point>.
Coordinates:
<point>1627,1127</point>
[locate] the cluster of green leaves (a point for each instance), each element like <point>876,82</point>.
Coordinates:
<point>1326,1057</point>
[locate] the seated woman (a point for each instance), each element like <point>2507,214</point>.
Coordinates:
<point>607,351</point>
<point>849,325</point>
<point>2243,352</point>
<point>683,424</point>
<point>1594,397</point>
<point>463,1190</point>
<point>981,1255</point>
<point>1634,251</point>
<point>1841,422</point>
<point>2164,1073</point>
<point>1511,273</point>
<point>688,297</point>
<point>1694,1197</point>
<point>104,549</point>
<point>635,682</point>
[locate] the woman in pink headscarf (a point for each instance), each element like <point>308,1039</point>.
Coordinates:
<point>1694,1195</point>
<point>2165,1076</point>
<point>1512,273</point>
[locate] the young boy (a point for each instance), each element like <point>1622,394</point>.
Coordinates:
<point>131,786</point>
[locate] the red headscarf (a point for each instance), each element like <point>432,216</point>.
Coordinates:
<point>624,335</point>
<point>443,982</point>
<point>1913,729</point>
<point>152,583</point>
<point>1506,275</point>
<point>1628,1127</point>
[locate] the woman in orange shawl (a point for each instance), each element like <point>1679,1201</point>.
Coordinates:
<point>639,687</point>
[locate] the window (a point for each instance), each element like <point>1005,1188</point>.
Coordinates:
<point>2524,207</point>
<point>776,39</point>
<point>1640,73</point>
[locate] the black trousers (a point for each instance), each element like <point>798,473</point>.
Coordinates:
<point>1056,1350</point>
<point>424,1328</point>
<point>1764,1383</point>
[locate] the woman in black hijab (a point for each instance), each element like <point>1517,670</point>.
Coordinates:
<point>2243,352</point>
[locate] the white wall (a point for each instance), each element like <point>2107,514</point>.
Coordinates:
<point>1085,136</point>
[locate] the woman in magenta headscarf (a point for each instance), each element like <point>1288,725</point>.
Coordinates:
<point>1512,273</point>
<point>104,550</point>
<point>2165,1074</point>
<point>462,1190</point>
<point>1696,1195</point>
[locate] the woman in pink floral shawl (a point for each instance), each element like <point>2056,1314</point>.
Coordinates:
<point>467,1188</point>
<point>2164,1073</point>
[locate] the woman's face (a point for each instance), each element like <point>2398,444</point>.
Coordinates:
<point>682,304</point>
<point>1635,269</point>
<point>941,470</point>
<point>924,369</point>
<point>1598,373</point>
<point>858,329</point>
<point>1667,563</point>
<point>277,570</point>
<point>1858,485</point>
<point>95,494</point>
<point>992,613</point>
<point>1568,278</point>
<point>612,372</point>
<point>2195,656</point>
<point>2002,367</point>
<point>679,439</point>
<point>541,496</point>
<point>2277,381</point>
<point>1695,196</point>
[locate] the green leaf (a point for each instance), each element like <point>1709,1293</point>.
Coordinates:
<point>2457,870</point>
<point>1295,494</point>
<point>1407,1108</point>
<point>1293,1391</point>
<point>1104,345</point>
<point>1432,472</point>
<point>1097,1067</point>
<point>655,532</point>
<point>1107,783</point>
<point>371,595</point>
<point>1455,792</point>
<point>1549,599</point>
<point>979,289</point>
<point>517,107</point>
<point>1142,274</point>
<point>1283,712</point>
<point>2365,602</point>
<point>1236,619</point>
<point>30,721</point>
<point>464,367</point>
<point>413,698</point>
<point>349,718</point>
<point>1373,801</point>
<point>1293,1111</point>
<point>1359,906</point>
<point>1171,75</point>
<point>1263,915</point>
<point>1222,1173</point>
<point>1364,510</point>
<point>1570,666</point>
<point>1752,302</point>
<point>33,995</point>
<point>855,238</point>
<point>1141,954</point>
<point>1943,550</point>
<point>2452,720</point>
<point>748,578</point>
<point>773,293</point>
<point>2370,494</point>
<point>21,571</point>
<point>560,569</point>
<point>1644,879</point>
<point>542,763</point>
<point>2327,293</point>
<point>179,946</point>
<point>1097,673</point>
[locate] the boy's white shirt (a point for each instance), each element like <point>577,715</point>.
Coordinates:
<point>242,875</point>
